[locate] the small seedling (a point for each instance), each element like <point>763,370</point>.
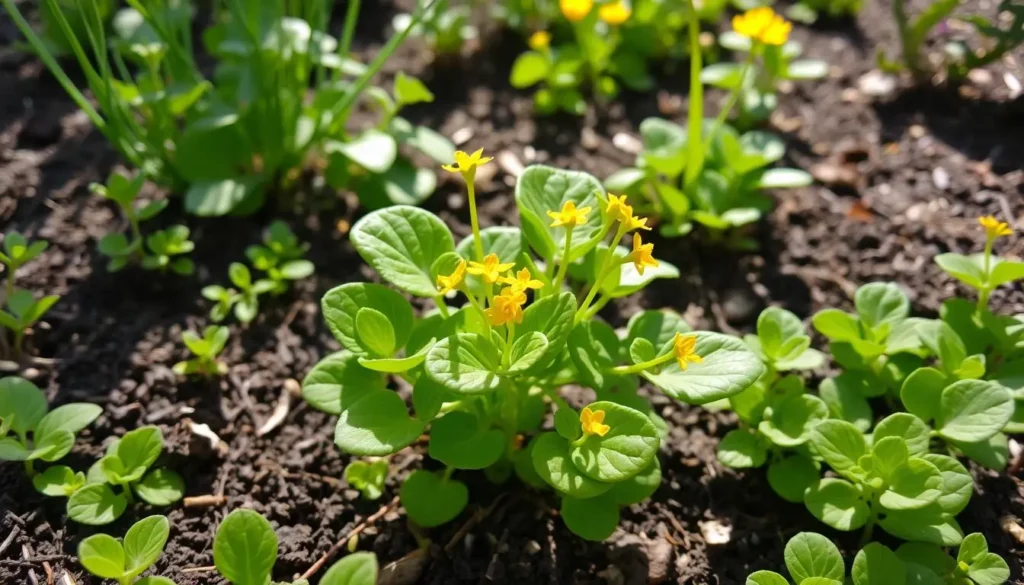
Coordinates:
<point>161,250</point>
<point>125,561</point>
<point>205,349</point>
<point>244,299</point>
<point>128,465</point>
<point>29,431</point>
<point>22,312</point>
<point>368,476</point>
<point>245,550</point>
<point>280,256</point>
<point>17,252</point>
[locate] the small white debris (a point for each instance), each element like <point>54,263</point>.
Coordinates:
<point>510,163</point>
<point>1013,83</point>
<point>877,84</point>
<point>627,143</point>
<point>462,135</point>
<point>529,153</point>
<point>714,532</point>
<point>940,178</point>
<point>203,430</point>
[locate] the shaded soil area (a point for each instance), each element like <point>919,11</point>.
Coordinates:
<point>903,177</point>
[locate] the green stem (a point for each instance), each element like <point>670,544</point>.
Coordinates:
<point>603,300</point>
<point>506,354</point>
<point>730,102</point>
<point>556,284</point>
<point>128,496</point>
<point>637,368</point>
<point>607,265</point>
<point>19,338</point>
<point>983,293</point>
<point>869,527</point>
<point>695,146</point>
<point>441,306</point>
<point>510,416</point>
<point>447,473</point>
<point>478,243</point>
<point>30,468</point>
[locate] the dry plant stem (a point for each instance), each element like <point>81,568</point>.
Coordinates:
<point>340,544</point>
<point>206,569</point>
<point>205,501</point>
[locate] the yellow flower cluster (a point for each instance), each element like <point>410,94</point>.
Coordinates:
<point>508,305</point>
<point>994,228</point>
<point>592,422</point>
<point>642,255</point>
<point>762,24</point>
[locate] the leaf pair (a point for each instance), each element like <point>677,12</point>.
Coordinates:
<point>24,411</point>
<point>107,558</point>
<point>782,342</point>
<point>368,477</point>
<point>205,349</point>
<point>880,326</point>
<point>18,251</point>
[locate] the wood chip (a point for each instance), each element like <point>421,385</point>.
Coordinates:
<point>284,404</point>
<point>1010,525</point>
<point>207,501</point>
<point>714,532</point>
<point>627,143</point>
<point>462,135</point>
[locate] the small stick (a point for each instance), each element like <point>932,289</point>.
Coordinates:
<point>344,539</point>
<point>199,569</point>
<point>207,501</point>
<point>33,561</point>
<point>10,538</point>
<point>49,573</point>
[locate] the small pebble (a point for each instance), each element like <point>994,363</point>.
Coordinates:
<point>940,178</point>
<point>877,84</point>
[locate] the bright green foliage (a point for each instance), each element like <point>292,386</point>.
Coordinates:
<point>128,466</point>
<point>161,250</point>
<point>125,561</point>
<point>725,195</point>
<point>205,350</point>
<point>245,550</point>
<point>368,476</point>
<point>280,256</point>
<point>19,309</point>
<point>30,432</point>
<point>483,375</point>
<point>243,300</point>
<point>445,25</point>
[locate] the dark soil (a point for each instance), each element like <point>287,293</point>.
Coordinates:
<point>921,164</point>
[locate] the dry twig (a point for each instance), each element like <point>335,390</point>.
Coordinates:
<point>327,556</point>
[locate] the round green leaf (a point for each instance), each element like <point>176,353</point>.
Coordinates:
<point>337,381</point>
<point>144,543</point>
<point>140,448</point>
<point>526,351</point>
<point>838,503</point>
<point>342,304</point>
<point>839,443</point>
<point>466,363</point>
<point>591,519</point>
<point>912,486</point>
<point>552,316</point>
<point>70,417</point>
<point>925,525</point>
<point>629,447</point>
<point>161,487</point>
<point>639,487</point>
<point>845,401</point>
<point>458,440</point>
<point>921,392</point>
<point>245,548</point>
<point>430,500</point>
<point>376,425</point>
<point>53,446</point>
<point>811,555</point>
<point>741,449</point>
<point>969,270</point>
<point>766,578</point>
<point>876,564</point>
<point>973,410</point>
<point>58,481</point>
<point>375,334</point>
<point>373,150</point>
<point>102,556</point>
<point>95,505</point>
<point>529,68</point>
<point>594,349</point>
<point>792,419</point>
<point>550,454</point>
<point>728,367</point>
<point>22,404</point>
<point>356,569</point>
<point>541,189</point>
<point>907,427</point>
<point>401,244</point>
<point>790,477</point>
<point>957,484</point>
<point>881,303</point>
<point>658,327</point>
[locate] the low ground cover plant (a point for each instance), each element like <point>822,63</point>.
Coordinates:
<point>20,309</point>
<point>204,350</point>
<point>124,561</point>
<point>485,374</point>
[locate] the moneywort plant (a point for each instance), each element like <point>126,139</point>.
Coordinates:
<point>20,310</point>
<point>124,561</point>
<point>484,374</point>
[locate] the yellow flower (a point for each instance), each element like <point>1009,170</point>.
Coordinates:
<point>467,163</point>
<point>446,284</point>
<point>642,257</point>
<point>522,280</point>
<point>576,10</point>
<point>994,228</point>
<point>617,207</point>
<point>615,13</point>
<point>762,24</point>
<point>506,307</point>
<point>636,223</point>
<point>569,216</point>
<point>490,269</point>
<point>684,347</point>
<point>591,421</point>
<point>540,40</point>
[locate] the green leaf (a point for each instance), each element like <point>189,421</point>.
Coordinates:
<point>466,363</point>
<point>766,578</point>
<point>53,446</point>
<point>839,443</point>
<point>409,90</point>
<point>396,365</point>
<point>402,184</point>
<point>95,505</point>
<point>103,556</point>
<point>728,367</point>
<point>925,525</point>
<point>153,580</point>
<point>139,449</point>
<point>639,487</point>
<point>401,243</point>
<point>907,427</point>
<point>376,425</point>
<point>529,69</point>
<point>993,453</point>
<point>245,548</point>
<point>432,501</point>
<point>664,147</point>
<point>973,411</point>
<point>22,404</point>
<point>791,476</point>
<point>807,69</point>
<point>836,325</point>
<point>337,381</point>
<point>356,569</point>
<point>368,478</point>
<point>1003,272</point>
<point>838,503</point>
<point>876,564</point>
<point>922,392</point>
<point>342,304</point>
<point>58,481</point>
<point>983,567</point>
<point>845,401</point>
<point>792,419</point>
<point>427,398</point>
<point>215,198</point>
<point>775,328</point>
<point>741,449</point>
<point>591,519</point>
<point>912,486</point>
<point>594,349</point>
<point>658,327</point>
<point>921,555</point>
<point>969,270</point>
<point>460,440</point>
<point>552,316</point>
<point>550,455</point>
<point>527,350</point>
<point>541,189</point>
<point>957,484</point>
<point>429,142</point>
<point>161,487</point>
<point>372,150</point>
<point>144,543</point>
<point>723,75</point>
<point>375,333</point>
<point>628,448</point>
<point>881,303</point>
<point>811,555</point>
<point>944,343</point>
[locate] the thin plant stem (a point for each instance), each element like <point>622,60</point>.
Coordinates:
<point>563,267</point>
<point>694,146</point>
<point>478,242</point>
<point>730,102</point>
<point>637,368</point>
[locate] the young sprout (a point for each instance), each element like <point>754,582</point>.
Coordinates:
<point>368,476</point>
<point>22,312</point>
<point>126,560</point>
<point>205,349</point>
<point>17,252</point>
<point>280,256</point>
